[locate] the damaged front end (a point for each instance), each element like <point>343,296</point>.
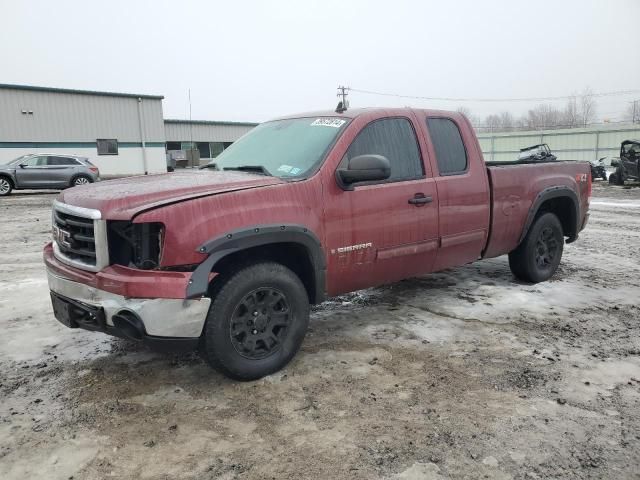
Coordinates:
<point>135,245</point>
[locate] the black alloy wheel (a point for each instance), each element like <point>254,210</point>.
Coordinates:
<point>260,323</point>
<point>546,248</point>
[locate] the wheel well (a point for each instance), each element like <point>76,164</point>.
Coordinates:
<point>294,256</point>
<point>13,185</point>
<point>564,209</point>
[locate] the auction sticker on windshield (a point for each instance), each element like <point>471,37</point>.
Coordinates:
<point>328,122</point>
<point>285,168</point>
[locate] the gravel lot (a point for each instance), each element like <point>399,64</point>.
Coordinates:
<point>461,374</point>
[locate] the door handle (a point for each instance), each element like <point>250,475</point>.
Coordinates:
<point>420,199</point>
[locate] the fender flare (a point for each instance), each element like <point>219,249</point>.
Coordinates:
<point>548,194</point>
<point>255,236</point>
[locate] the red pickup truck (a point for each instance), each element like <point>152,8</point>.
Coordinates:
<point>229,258</point>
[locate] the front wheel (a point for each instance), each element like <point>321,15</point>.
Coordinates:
<point>257,320</point>
<point>5,186</point>
<point>537,258</point>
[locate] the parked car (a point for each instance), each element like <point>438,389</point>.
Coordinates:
<point>536,153</point>
<point>46,170</point>
<point>598,169</point>
<point>628,166</point>
<point>229,259</point>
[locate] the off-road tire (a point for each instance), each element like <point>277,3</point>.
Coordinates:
<point>225,350</point>
<point>537,258</point>
<point>618,177</point>
<point>75,180</point>
<point>6,185</point>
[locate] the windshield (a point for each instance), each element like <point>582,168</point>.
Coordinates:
<point>283,148</point>
<point>631,149</point>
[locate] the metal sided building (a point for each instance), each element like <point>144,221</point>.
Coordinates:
<point>590,143</point>
<point>122,134</point>
<point>210,138</point>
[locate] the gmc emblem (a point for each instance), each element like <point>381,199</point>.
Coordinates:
<point>61,237</point>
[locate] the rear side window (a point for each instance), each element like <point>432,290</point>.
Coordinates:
<point>59,161</point>
<point>447,142</point>
<point>395,139</point>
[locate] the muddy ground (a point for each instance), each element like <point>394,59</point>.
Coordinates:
<point>462,374</point>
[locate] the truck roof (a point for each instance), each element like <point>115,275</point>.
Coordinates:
<point>356,112</point>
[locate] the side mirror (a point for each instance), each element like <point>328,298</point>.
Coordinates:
<point>615,162</point>
<point>22,165</point>
<point>365,168</point>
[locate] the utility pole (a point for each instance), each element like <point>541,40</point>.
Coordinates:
<point>191,153</point>
<point>636,111</point>
<point>344,104</point>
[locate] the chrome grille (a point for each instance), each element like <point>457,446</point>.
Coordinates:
<point>79,237</point>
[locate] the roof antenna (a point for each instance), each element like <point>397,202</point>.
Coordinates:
<point>344,103</point>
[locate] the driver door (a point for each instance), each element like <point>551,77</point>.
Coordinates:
<point>383,231</point>
<point>32,172</point>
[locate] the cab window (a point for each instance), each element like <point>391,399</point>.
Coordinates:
<point>447,142</point>
<point>394,139</point>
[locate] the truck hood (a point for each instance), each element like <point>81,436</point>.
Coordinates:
<point>124,198</point>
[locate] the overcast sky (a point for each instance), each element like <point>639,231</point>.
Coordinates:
<point>252,60</point>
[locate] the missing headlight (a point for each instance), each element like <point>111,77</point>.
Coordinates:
<point>137,245</point>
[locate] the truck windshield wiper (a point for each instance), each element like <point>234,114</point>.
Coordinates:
<point>251,168</point>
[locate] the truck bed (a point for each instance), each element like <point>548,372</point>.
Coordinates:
<point>514,189</point>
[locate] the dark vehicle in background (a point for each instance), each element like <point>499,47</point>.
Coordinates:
<point>628,167</point>
<point>46,170</point>
<point>598,169</point>
<point>536,153</point>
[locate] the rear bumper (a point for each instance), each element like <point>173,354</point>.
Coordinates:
<point>163,322</point>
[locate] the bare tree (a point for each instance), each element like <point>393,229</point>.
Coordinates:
<point>543,116</point>
<point>507,122</point>
<point>587,107</point>
<point>632,113</point>
<point>570,114</point>
<point>492,123</point>
<point>579,111</point>
<point>466,111</point>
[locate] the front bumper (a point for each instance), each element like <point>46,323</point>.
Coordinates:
<point>162,319</point>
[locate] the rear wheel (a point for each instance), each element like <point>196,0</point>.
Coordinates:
<point>257,320</point>
<point>5,186</point>
<point>617,178</point>
<point>537,258</point>
<point>81,180</point>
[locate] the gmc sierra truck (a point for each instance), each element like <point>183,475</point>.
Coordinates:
<point>229,258</point>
